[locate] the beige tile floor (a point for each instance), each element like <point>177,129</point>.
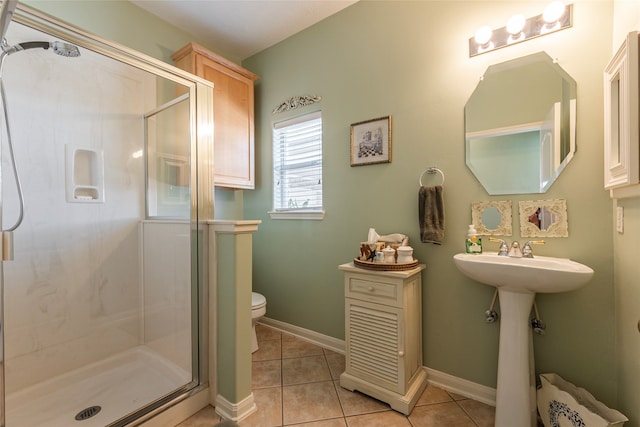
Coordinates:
<point>296,383</point>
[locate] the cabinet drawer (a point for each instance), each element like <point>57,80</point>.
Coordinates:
<point>367,290</point>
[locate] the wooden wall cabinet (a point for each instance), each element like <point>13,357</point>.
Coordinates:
<point>383,335</point>
<point>233,114</point>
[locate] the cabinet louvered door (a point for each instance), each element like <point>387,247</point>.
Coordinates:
<point>374,344</point>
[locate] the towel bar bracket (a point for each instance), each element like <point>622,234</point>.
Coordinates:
<point>431,170</point>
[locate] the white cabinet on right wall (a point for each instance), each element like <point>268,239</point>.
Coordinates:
<point>621,127</point>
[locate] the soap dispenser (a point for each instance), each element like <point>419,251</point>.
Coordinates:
<point>474,243</point>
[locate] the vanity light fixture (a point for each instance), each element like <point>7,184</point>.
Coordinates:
<point>551,16</point>
<point>483,39</point>
<point>515,25</point>
<point>555,17</point>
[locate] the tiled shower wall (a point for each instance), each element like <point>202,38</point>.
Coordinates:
<point>72,294</point>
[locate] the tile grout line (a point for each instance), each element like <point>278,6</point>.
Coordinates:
<point>467,414</point>
<point>463,409</point>
<point>281,384</point>
<point>333,382</point>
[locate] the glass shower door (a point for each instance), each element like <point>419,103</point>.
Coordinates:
<point>101,311</point>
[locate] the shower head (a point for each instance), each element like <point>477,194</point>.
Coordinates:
<point>65,49</point>
<point>60,48</point>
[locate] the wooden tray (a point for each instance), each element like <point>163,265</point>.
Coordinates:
<point>383,266</point>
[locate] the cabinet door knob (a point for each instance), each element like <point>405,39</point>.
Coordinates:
<point>401,353</point>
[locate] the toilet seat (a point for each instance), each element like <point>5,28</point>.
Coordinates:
<point>257,301</point>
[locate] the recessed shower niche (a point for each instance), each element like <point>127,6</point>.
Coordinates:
<point>84,174</point>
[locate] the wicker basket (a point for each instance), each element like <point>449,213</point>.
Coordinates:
<point>561,404</point>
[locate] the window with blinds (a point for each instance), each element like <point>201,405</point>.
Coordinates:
<point>297,164</point>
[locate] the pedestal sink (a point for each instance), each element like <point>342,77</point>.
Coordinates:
<point>518,280</point>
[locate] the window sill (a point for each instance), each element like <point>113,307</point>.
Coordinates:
<point>314,215</point>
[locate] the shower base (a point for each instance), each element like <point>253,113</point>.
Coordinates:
<point>119,385</point>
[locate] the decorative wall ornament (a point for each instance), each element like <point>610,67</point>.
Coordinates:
<point>295,102</point>
<point>543,218</point>
<point>492,218</point>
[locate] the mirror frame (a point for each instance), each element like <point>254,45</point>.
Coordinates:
<point>560,228</point>
<point>505,226</point>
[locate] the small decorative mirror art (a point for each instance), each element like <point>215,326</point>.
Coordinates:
<point>492,218</point>
<point>543,218</point>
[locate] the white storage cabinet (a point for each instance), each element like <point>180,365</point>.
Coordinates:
<point>383,334</point>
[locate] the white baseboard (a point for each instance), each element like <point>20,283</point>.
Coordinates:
<point>235,411</point>
<point>443,380</point>
<point>333,344</point>
<point>475,391</point>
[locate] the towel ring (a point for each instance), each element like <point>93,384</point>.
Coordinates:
<point>431,170</point>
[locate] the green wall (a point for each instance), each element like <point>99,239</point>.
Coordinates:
<point>410,60</point>
<point>626,266</point>
<point>627,272</point>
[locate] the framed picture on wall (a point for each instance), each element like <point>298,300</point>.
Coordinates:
<point>371,141</point>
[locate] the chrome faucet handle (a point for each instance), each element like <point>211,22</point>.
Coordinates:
<point>515,251</point>
<point>527,251</point>
<point>504,249</point>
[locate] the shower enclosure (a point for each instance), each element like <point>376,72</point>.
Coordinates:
<point>103,311</point>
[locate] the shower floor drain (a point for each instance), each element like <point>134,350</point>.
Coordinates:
<point>87,413</point>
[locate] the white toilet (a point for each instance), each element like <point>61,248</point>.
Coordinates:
<point>258,309</point>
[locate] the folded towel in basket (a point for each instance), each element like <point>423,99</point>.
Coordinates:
<point>431,214</point>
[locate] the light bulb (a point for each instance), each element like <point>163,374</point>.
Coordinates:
<point>515,24</point>
<point>483,35</point>
<point>553,12</point>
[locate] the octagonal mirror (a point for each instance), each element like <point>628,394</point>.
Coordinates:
<point>520,125</point>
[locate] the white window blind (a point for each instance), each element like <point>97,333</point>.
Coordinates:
<point>297,164</point>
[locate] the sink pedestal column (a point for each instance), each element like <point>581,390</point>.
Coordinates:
<point>515,397</point>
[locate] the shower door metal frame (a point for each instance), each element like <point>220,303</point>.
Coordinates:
<point>202,190</point>
<point>6,13</point>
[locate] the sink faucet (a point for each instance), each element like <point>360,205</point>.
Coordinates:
<point>515,251</point>
<point>527,252</point>
<point>504,248</point>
